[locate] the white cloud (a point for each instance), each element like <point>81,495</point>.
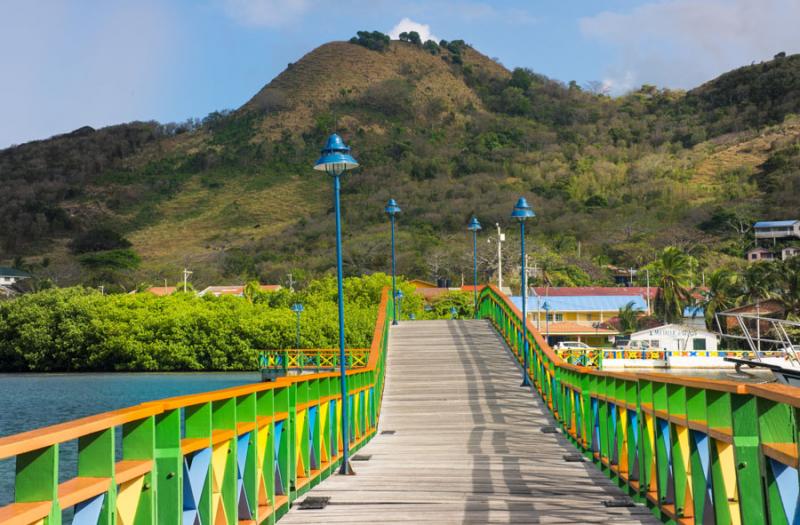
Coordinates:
<point>407,25</point>
<point>683,43</point>
<point>64,69</point>
<point>265,13</point>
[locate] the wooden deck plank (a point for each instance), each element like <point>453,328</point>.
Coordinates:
<point>467,446</point>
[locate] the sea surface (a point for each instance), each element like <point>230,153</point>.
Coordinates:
<point>29,401</point>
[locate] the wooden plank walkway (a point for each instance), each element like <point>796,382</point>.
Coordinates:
<point>467,447</point>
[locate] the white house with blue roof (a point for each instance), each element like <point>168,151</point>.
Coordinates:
<point>777,229</point>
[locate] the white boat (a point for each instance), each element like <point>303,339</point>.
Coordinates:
<point>762,335</point>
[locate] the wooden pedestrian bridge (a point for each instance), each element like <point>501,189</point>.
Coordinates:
<point>441,432</point>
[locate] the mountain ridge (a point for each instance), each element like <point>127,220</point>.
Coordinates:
<point>450,134</point>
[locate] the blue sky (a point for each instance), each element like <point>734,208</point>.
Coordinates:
<point>69,63</point>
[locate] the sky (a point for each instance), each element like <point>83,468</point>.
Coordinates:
<point>70,63</point>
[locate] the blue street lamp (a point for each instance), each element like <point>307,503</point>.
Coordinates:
<point>474,226</point>
<point>398,301</point>
<point>453,312</point>
<point>522,212</point>
<point>393,209</point>
<point>298,309</point>
<point>335,160</point>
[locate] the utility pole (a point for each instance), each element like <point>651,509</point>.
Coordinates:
<point>186,274</point>
<point>631,270</point>
<point>102,290</point>
<point>291,283</point>
<point>501,237</point>
<point>165,286</point>
<point>647,274</point>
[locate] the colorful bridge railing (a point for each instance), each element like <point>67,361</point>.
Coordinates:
<point>239,455</point>
<point>693,450</point>
<point>310,359</point>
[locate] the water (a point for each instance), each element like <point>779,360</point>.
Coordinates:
<point>30,401</point>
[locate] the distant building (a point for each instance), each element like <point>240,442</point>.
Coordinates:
<point>11,276</point>
<point>760,254</point>
<point>161,291</point>
<point>694,316</point>
<point>578,317</point>
<point>236,290</point>
<point>677,338</point>
<point>789,252</point>
<point>777,229</point>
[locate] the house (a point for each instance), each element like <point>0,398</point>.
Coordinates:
<point>161,291</point>
<point>644,292</point>
<point>678,338</point>
<point>760,254</point>
<point>694,316</point>
<point>419,283</point>
<point>10,276</point>
<point>236,290</point>
<point>777,229</point>
<point>577,317</point>
<point>765,308</point>
<point>789,252</point>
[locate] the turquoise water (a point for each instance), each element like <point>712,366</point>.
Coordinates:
<point>29,401</point>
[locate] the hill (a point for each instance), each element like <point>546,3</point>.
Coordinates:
<point>444,130</point>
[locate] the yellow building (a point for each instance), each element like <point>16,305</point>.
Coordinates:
<point>578,317</point>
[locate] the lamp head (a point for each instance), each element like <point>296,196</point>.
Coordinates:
<point>336,158</point>
<point>474,225</point>
<point>522,210</point>
<point>392,208</point>
<point>297,307</point>
<point>399,294</point>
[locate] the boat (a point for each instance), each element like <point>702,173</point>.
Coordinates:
<point>771,336</point>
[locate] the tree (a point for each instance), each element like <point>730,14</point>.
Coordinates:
<point>628,317</point>
<point>785,278</point>
<point>374,40</point>
<point>98,239</point>
<point>720,295</point>
<point>431,47</point>
<point>675,270</point>
<point>412,37</point>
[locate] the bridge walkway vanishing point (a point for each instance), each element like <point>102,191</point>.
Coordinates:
<point>467,444</point>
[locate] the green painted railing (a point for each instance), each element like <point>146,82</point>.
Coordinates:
<point>693,450</point>
<point>239,455</point>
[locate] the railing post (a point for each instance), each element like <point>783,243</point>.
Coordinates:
<point>169,468</point>
<point>746,448</point>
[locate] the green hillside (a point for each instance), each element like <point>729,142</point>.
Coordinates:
<point>444,130</point>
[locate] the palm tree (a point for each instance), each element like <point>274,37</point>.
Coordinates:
<point>720,295</point>
<point>628,317</point>
<point>755,283</point>
<point>675,270</point>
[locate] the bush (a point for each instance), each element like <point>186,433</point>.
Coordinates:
<point>98,239</point>
<point>374,40</point>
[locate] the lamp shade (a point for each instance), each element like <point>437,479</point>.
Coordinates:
<point>522,210</point>
<point>297,307</point>
<point>474,225</point>
<point>392,208</point>
<point>546,306</point>
<point>399,294</point>
<point>336,158</point>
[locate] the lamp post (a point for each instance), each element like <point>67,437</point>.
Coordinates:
<point>546,307</point>
<point>335,160</point>
<point>474,226</point>
<point>393,209</point>
<point>298,309</point>
<point>522,212</point>
<point>398,301</point>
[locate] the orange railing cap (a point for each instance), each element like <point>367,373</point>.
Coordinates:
<point>44,437</point>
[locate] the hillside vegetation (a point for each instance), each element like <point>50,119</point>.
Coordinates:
<point>445,131</point>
